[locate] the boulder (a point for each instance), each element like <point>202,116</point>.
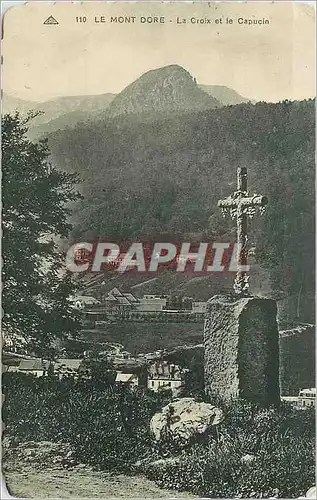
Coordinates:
<point>183,419</point>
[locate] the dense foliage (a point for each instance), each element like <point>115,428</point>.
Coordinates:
<point>152,176</point>
<point>106,424</point>
<point>35,197</point>
<point>254,452</point>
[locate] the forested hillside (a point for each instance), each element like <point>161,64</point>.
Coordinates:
<point>148,175</point>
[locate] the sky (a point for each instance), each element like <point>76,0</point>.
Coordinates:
<point>269,62</point>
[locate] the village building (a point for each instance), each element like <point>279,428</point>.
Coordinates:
<point>293,400</point>
<point>9,368</point>
<point>65,366</point>
<point>112,305</point>
<point>35,367</point>
<point>199,307</point>
<point>83,301</point>
<point>130,371</point>
<point>163,375</point>
<point>11,361</point>
<point>131,379</point>
<point>123,355</point>
<point>124,306</point>
<point>119,302</point>
<point>151,303</point>
<point>307,398</point>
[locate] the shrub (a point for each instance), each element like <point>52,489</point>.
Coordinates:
<point>218,471</point>
<point>279,442</point>
<point>108,426</point>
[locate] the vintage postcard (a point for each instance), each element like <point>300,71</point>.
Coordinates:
<point>158,206</point>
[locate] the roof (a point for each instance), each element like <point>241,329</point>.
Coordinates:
<point>130,297</point>
<point>110,298</point>
<point>33,365</point>
<point>312,390</point>
<point>11,361</point>
<point>165,378</point>
<point>125,377</point>
<point>68,364</point>
<point>8,368</point>
<point>123,300</point>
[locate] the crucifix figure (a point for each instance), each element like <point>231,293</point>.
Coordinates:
<point>240,206</point>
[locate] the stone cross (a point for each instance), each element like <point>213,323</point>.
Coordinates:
<point>240,206</point>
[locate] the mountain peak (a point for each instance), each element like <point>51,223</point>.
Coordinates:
<point>169,88</point>
<point>165,71</point>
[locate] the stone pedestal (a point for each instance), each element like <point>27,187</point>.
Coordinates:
<point>242,349</point>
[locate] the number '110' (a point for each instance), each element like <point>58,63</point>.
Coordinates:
<point>81,19</point>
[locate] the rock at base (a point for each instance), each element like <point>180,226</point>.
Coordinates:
<point>242,349</point>
<point>184,418</point>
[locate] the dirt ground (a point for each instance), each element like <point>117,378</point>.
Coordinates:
<point>31,483</point>
<point>29,472</point>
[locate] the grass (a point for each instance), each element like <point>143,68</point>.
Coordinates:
<point>255,452</point>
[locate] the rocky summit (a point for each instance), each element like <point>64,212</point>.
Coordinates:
<point>164,89</point>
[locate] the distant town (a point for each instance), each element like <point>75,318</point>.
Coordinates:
<point>117,306</point>
<point>148,371</point>
<point>155,371</point>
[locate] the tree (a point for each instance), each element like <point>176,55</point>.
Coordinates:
<point>36,198</point>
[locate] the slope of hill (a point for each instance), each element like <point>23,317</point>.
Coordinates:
<point>201,287</point>
<point>85,104</point>
<point>225,95</point>
<point>11,104</point>
<point>164,89</point>
<point>68,120</point>
<point>59,113</point>
<point>54,108</point>
<point>142,337</point>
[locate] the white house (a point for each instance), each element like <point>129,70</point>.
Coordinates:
<point>163,375</point>
<point>158,384</point>
<point>307,397</point>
